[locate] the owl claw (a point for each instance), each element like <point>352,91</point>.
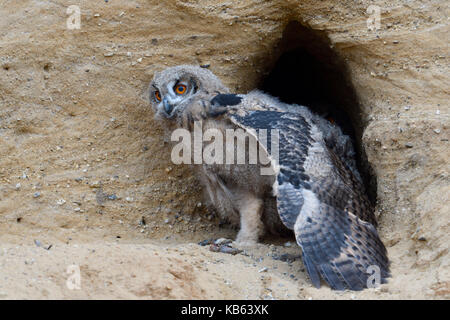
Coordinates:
<point>244,240</point>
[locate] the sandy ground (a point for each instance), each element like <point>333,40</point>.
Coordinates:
<point>85,178</point>
<point>168,270</point>
<point>133,267</point>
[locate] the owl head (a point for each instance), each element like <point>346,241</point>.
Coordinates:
<point>174,89</point>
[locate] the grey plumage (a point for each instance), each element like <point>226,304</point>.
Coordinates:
<point>316,190</point>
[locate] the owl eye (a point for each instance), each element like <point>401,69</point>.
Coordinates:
<point>180,88</point>
<point>158,96</point>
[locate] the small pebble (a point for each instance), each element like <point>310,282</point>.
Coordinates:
<point>112,197</point>
<point>30,262</point>
<point>286,257</point>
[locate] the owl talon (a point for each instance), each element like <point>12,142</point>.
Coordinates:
<point>246,240</point>
<point>245,244</point>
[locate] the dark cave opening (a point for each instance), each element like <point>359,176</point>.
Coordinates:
<point>306,70</point>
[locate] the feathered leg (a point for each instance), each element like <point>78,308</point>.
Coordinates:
<point>252,227</point>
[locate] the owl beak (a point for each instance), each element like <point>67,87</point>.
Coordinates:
<point>167,106</point>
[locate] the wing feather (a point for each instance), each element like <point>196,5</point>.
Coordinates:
<point>331,217</point>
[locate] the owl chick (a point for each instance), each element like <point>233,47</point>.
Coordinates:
<point>305,178</point>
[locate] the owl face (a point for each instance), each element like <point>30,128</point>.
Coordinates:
<point>172,96</point>
<point>173,89</point>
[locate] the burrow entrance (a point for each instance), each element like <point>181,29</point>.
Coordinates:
<point>306,70</point>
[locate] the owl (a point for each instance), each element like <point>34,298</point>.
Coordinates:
<point>304,179</point>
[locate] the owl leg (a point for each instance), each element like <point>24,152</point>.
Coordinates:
<point>252,227</point>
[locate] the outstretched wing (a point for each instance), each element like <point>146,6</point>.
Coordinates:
<point>319,198</point>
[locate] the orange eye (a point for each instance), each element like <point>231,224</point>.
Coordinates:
<point>157,96</point>
<point>180,88</point>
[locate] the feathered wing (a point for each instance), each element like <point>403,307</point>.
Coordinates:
<point>340,247</point>
<point>329,213</point>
